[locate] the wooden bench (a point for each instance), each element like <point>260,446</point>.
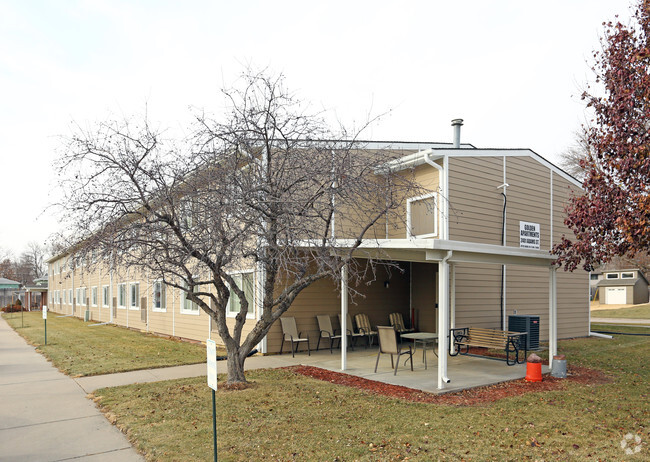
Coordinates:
<point>510,342</point>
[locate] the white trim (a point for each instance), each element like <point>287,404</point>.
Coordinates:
<point>409,201</point>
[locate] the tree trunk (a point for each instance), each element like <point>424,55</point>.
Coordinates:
<point>235,367</point>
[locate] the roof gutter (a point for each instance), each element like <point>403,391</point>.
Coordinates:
<point>443,205</point>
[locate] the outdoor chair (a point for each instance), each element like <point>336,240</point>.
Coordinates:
<point>291,334</point>
<point>397,321</point>
<point>363,324</point>
<point>352,335</point>
<point>326,331</point>
<point>388,345</point>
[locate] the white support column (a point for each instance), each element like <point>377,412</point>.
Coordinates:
<point>344,317</point>
<point>552,314</point>
<point>443,320</point>
<point>452,295</point>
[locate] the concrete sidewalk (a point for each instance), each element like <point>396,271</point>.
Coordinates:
<point>45,416</point>
<point>92,383</point>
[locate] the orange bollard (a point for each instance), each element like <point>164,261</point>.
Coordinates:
<point>533,372</point>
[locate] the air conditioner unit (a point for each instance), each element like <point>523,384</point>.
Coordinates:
<point>526,323</point>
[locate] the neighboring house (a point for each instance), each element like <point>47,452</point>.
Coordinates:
<point>8,290</point>
<point>594,278</point>
<point>468,258</point>
<point>623,287</point>
<point>35,294</point>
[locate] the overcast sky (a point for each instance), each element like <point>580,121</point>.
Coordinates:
<point>513,70</point>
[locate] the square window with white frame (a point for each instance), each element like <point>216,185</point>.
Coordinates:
<point>159,296</point>
<point>422,216</point>
<point>93,296</point>
<point>246,282</point>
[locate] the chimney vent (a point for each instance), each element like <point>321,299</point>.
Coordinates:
<point>457,123</point>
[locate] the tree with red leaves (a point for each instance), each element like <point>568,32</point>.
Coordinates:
<point>612,218</point>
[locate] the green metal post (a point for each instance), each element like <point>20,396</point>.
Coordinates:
<point>214,424</point>
<point>45,321</point>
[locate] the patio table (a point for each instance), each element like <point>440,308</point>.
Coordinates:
<point>423,338</point>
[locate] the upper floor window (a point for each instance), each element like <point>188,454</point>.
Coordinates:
<point>629,275</point>
<point>612,276</point>
<point>422,216</point>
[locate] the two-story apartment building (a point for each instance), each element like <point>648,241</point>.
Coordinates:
<point>471,251</point>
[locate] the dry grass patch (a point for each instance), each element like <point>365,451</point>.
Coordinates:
<point>79,349</point>
<point>286,416</point>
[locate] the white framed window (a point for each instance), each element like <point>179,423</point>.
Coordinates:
<point>65,296</point>
<point>612,276</point>
<point>93,296</point>
<point>188,306</point>
<point>134,296</point>
<point>81,296</point>
<point>246,282</point>
<point>70,296</point>
<point>121,295</point>
<point>105,296</point>
<point>629,275</point>
<point>159,298</point>
<point>422,216</point>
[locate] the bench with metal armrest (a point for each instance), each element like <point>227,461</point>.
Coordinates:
<point>510,342</point>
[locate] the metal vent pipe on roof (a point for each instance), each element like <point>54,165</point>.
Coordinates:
<point>457,123</point>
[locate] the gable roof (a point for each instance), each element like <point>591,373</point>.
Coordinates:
<point>415,159</point>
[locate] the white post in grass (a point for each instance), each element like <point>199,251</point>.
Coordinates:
<point>344,316</point>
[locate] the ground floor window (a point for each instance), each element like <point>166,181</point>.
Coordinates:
<point>246,282</point>
<point>93,296</point>
<point>187,305</point>
<point>159,296</point>
<point>134,295</point>
<point>105,296</point>
<point>70,296</point>
<point>121,295</point>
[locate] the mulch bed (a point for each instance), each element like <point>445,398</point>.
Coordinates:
<point>471,397</point>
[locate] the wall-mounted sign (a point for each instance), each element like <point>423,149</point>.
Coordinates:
<point>529,235</point>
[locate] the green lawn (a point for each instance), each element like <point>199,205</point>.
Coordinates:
<point>635,312</point>
<point>78,349</point>
<point>290,417</point>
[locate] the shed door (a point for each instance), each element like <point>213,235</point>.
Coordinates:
<point>616,296</point>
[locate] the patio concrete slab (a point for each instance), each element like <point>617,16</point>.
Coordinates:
<point>45,416</point>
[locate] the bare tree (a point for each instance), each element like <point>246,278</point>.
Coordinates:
<point>34,259</point>
<point>572,160</point>
<point>269,186</point>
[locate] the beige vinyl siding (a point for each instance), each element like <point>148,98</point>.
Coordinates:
<point>478,296</point>
<point>529,198</point>
<point>427,178</point>
<point>527,294</point>
<point>323,297</point>
<point>475,203</point>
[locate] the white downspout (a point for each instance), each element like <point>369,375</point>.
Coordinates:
<point>443,320</point>
<point>552,315</point>
<point>344,317</point>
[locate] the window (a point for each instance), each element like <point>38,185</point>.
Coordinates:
<point>629,275</point>
<point>612,276</point>
<point>70,296</point>
<point>65,296</point>
<point>159,296</point>
<point>93,296</point>
<point>422,216</point>
<point>188,306</point>
<point>246,282</point>
<point>105,296</point>
<point>134,295</point>
<point>84,296</point>
<point>121,296</point>
<point>593,277</point>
